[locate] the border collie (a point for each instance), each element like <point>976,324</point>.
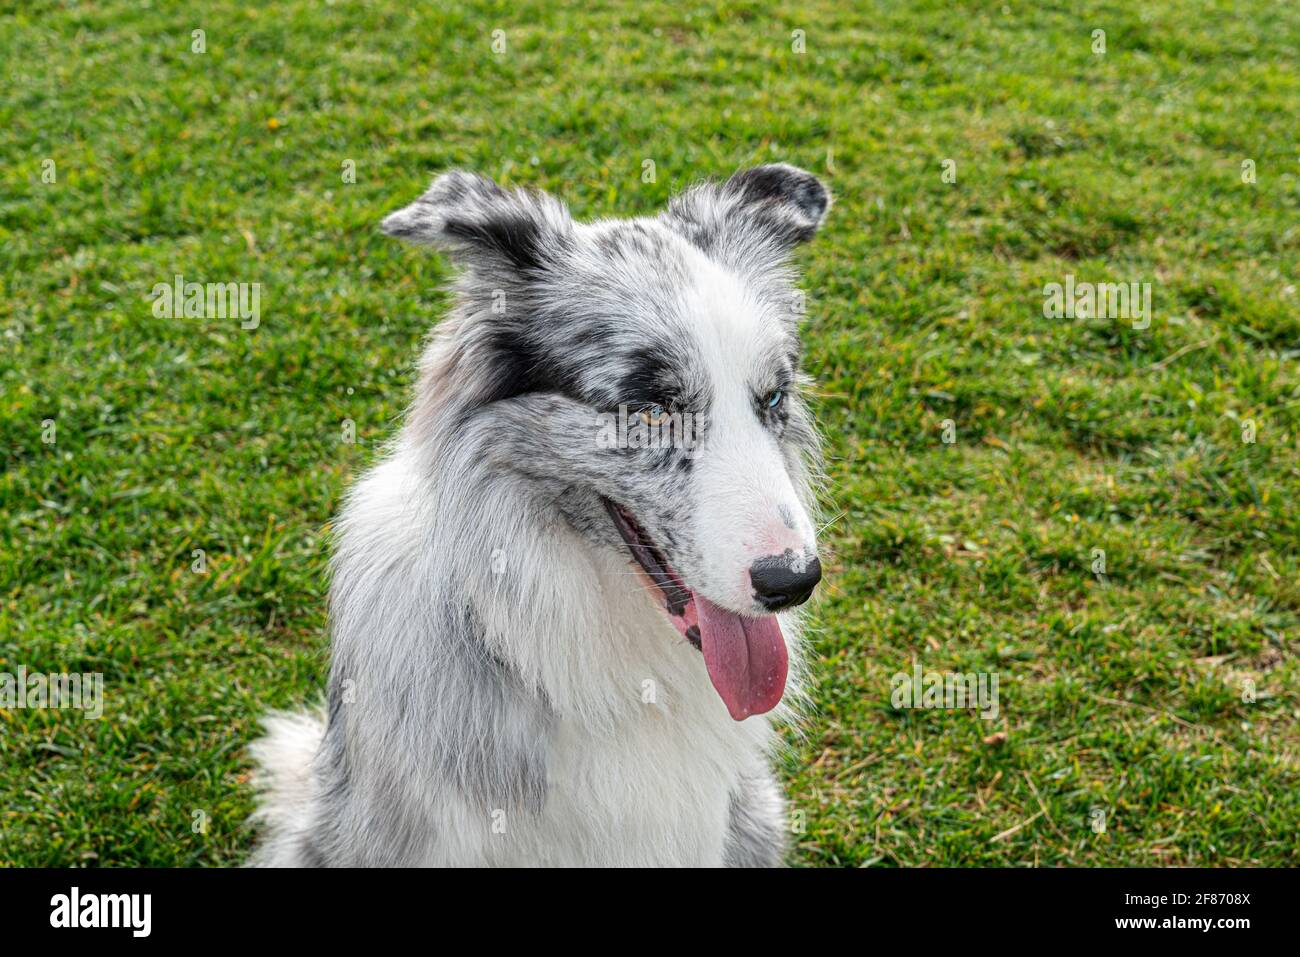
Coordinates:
<point>562,601</point>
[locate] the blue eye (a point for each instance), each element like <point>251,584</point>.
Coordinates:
<point>775,398</point>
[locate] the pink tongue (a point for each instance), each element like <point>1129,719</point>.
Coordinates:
<point>746,658</point>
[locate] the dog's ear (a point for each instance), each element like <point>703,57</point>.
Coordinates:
<point>483,225</point>
<point>775,206</point>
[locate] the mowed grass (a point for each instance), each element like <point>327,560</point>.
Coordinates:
<point>1125,700</point>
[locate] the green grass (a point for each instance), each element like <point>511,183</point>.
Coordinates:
<point>925,302</point>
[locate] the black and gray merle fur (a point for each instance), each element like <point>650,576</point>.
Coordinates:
<point>491,641</point>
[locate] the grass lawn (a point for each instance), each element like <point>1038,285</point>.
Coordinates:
<point>979,453</point>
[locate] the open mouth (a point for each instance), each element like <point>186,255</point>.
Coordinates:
<point>745,655</point>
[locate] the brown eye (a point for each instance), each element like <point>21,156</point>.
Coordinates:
<point>654,415</point>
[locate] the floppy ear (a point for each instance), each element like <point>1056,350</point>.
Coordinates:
<point>777,206</point>
<point>482,225</point>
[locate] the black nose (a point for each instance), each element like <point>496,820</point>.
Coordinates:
<point>777,585</point>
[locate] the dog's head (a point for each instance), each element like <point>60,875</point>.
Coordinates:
<point>677,335</point>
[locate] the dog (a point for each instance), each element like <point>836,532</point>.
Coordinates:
<point>563,613</point>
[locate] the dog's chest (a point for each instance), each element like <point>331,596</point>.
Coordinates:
<point>645,799</point>
<point>642,758</point>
